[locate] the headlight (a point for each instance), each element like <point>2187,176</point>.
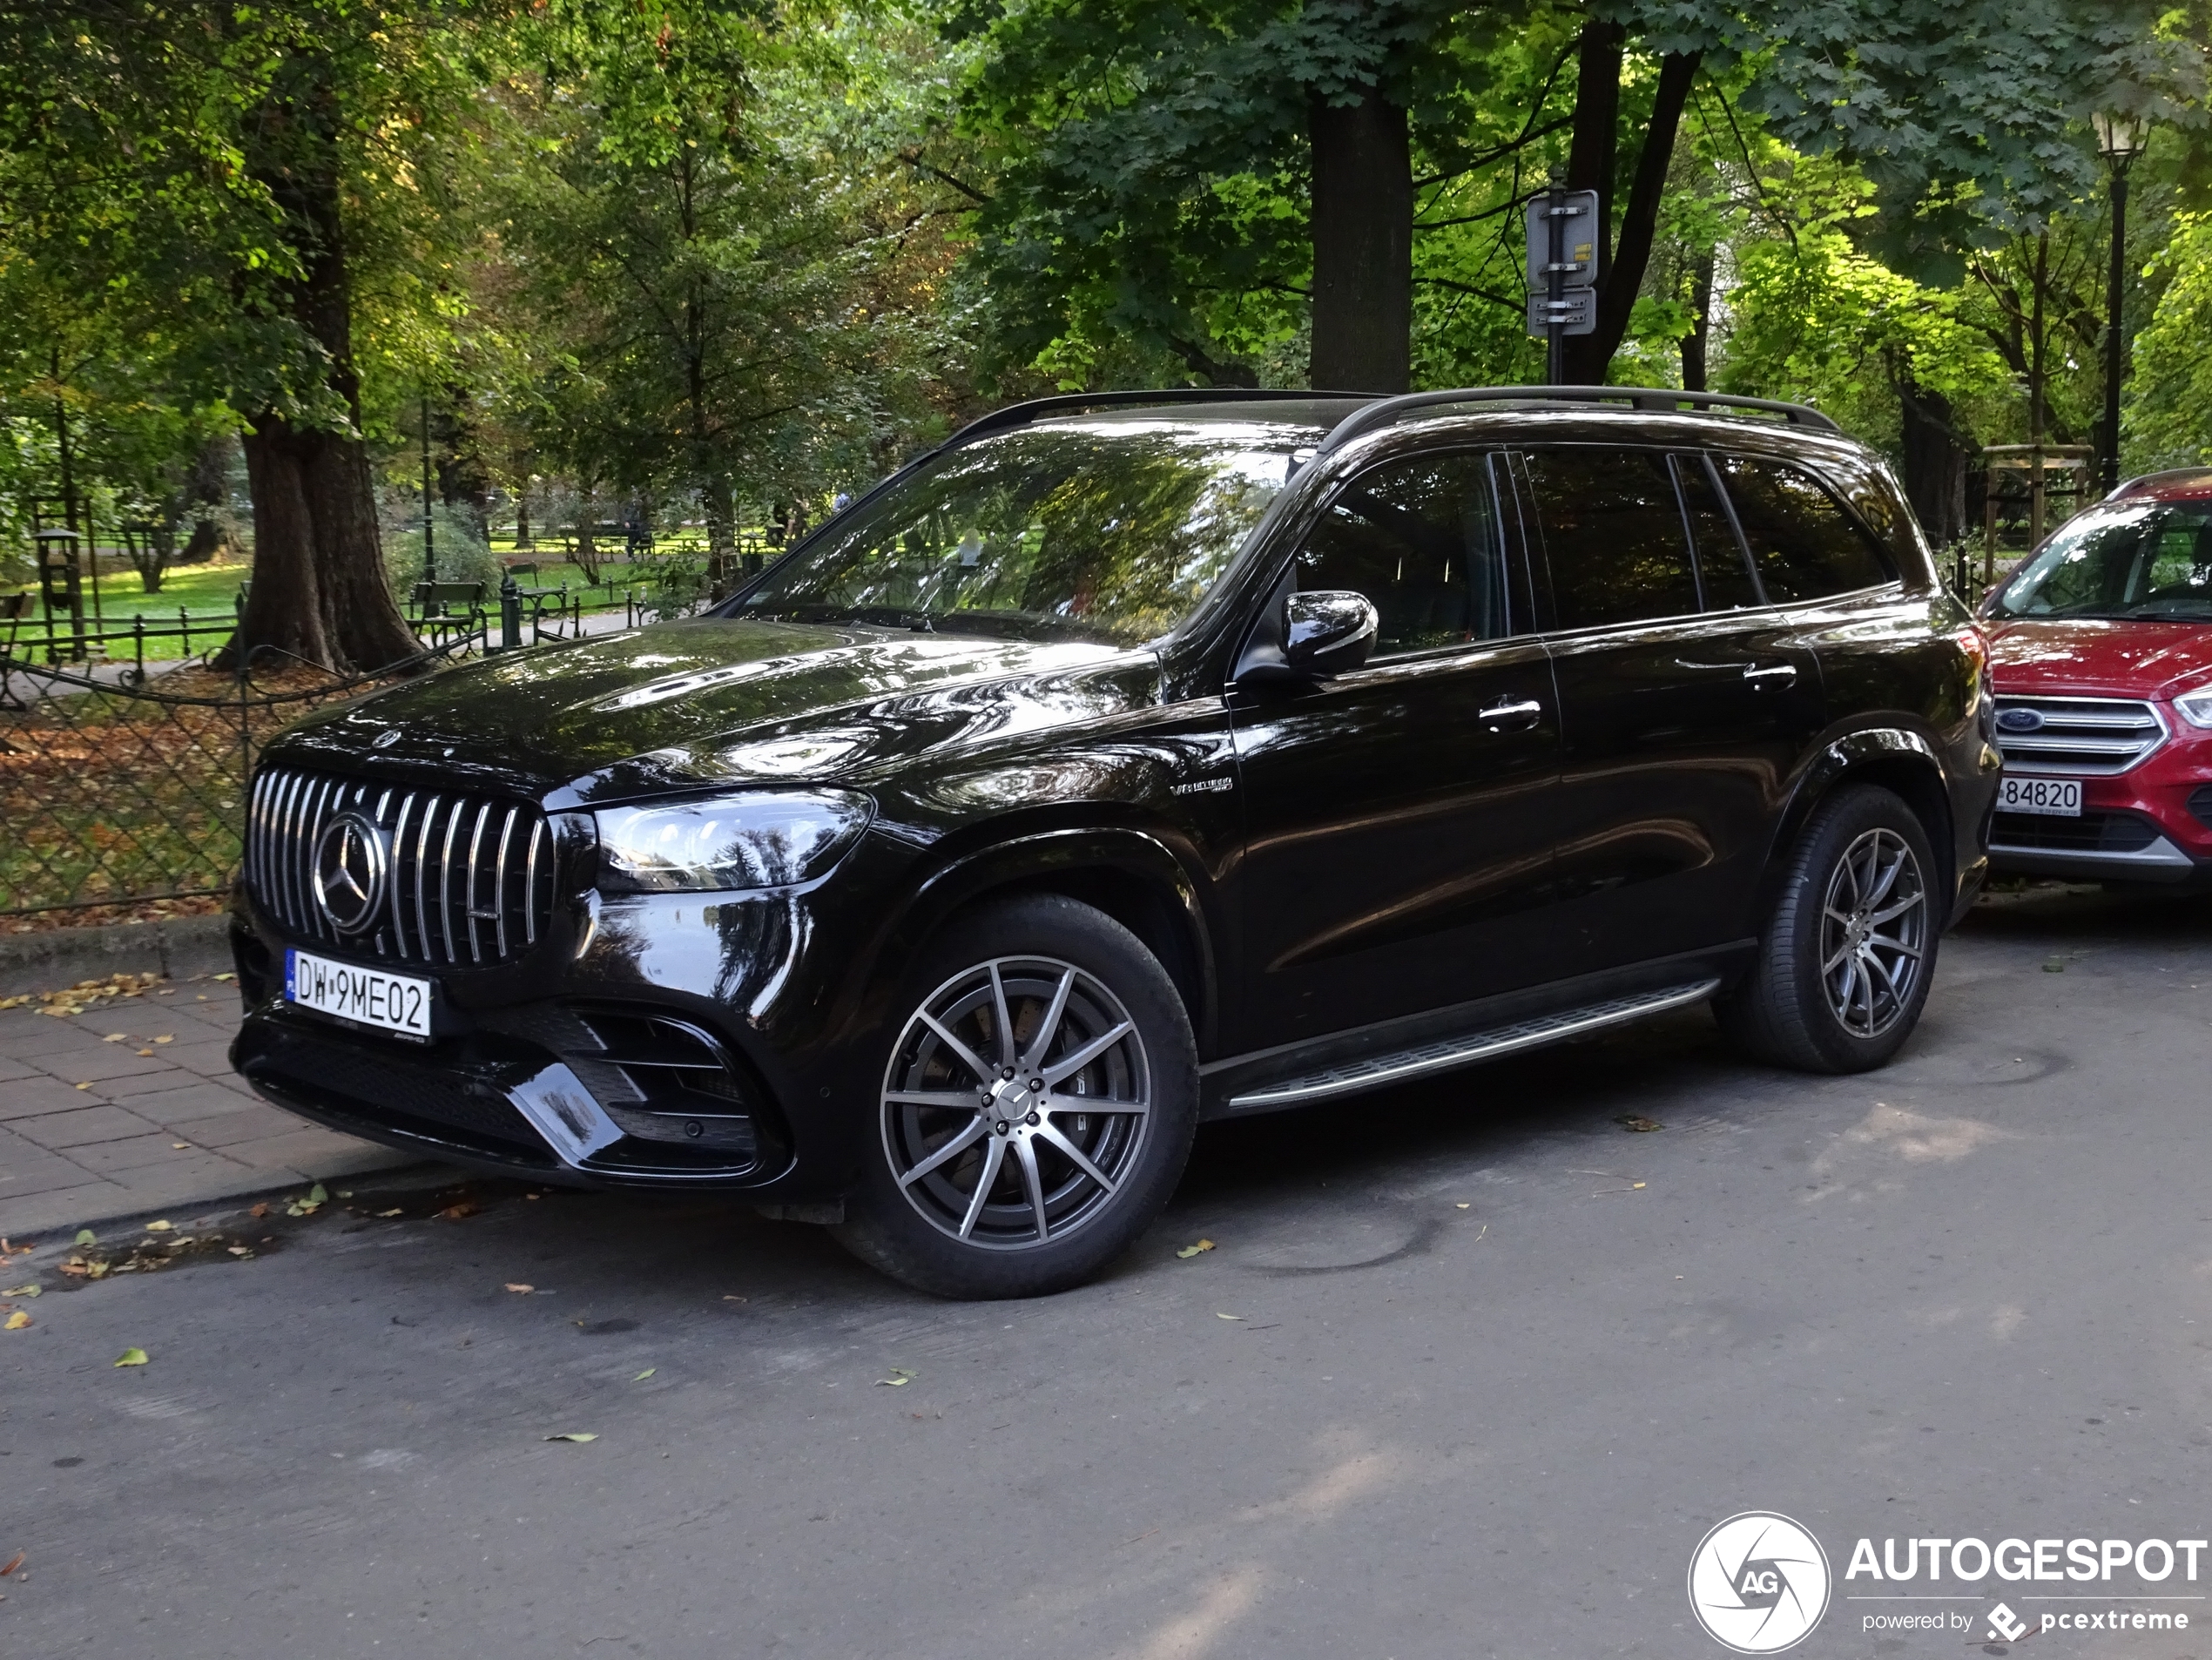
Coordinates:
<point>753,840</point>
<point>2196,707</point>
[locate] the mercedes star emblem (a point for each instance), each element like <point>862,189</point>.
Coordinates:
<point>348,873</point>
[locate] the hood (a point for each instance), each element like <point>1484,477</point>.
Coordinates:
<point>701,701</point>
<point>2098,656</point>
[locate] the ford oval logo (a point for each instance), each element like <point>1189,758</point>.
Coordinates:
<point>2020,720</point>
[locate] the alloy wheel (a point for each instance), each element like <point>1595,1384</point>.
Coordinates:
<point>1016,1102</point>
<point>1873,932</point>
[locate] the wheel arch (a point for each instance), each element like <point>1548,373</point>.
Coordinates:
<point>1130,874</point>
<point>1897,758</point>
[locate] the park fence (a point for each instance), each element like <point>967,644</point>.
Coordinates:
<point>120,792</point>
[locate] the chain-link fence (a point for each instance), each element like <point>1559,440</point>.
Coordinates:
<point>114,793</point>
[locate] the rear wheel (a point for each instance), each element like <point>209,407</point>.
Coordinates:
<point>1843,967</point>
<point>1037,1109</point>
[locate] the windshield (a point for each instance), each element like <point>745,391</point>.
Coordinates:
<point>2142,559</point>
<point>1109,530</point>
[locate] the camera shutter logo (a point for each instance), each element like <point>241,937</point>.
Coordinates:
<point>348,871</point>
<point>1758,1582</point>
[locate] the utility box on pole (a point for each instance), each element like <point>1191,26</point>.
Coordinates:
<point>1562,271</point>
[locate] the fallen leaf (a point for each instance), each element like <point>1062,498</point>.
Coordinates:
<point>98,1269</point>
<point>511,1285</point>
<point>1638,1122</point>
<point>132,1357</point>
<point>226,977</point>
<point>145,1051</point>
<point>260,1210</point>
<point>13,1563</point>
<point>1189,1251</point>
<point>900,1378</point>
<point>240,1250</point>
<point>1464,1206</point>
<point>1636,1184</point>
<point>394,1211</point>
<point>166,1037</point>
<point>573,1435</point>
<point>159,1227</point>
<point>646,1374</point>
<point>86,1236</point>
<point>84,1086</point>
<point>181,1146</point>
<point>455,1212</point>
<point>2054,967</point>
<point>1228,1317</point>
<point>728,1298</point>
<point>316,1196</point>
<point>21,1291</point>
<point>16,1321</point>
<point>113,1037</point>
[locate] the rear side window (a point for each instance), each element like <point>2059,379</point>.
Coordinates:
<point>1612,533</point>
<point>1803,544</point>
<point>1722,573</point>
<point>1420,537</point>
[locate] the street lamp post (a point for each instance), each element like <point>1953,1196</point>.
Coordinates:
<point>2119,140</point>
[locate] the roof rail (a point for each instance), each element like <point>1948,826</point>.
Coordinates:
<point>1388,411</point>
<point>1021,414</point>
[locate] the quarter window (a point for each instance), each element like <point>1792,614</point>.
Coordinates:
<point>1803,544</point>
<point>1420,539</point>
<point>1613,536</point>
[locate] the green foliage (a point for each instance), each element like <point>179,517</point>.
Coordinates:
<point>1969,115</point>
<point>462,553</point>
<point>2170,424</point>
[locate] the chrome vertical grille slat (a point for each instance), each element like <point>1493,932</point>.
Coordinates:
<point>499,893</point>
<point>445,879</point>
<point>529,884</point>
<point>489,860</point>
<point>468,893</point>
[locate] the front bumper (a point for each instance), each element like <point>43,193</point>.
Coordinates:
<point>2151,824</point>
<point>655,1043</point>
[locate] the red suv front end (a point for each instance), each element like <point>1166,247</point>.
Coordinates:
<point>2102,653</point>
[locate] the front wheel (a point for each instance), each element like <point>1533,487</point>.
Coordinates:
<point>1037,1109</point>
<point>1843,969</point>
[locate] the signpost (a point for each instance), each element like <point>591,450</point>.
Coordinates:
<point>1562,271</point>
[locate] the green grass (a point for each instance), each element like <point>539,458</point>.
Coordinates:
<point>199,589</point>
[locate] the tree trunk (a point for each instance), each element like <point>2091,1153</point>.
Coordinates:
<point>1935,463</point>
<point>1363,246</point>
<point>319,591</point>
<point>1620,276</point>
<point>1696,368</point>
<point>1591,156</point>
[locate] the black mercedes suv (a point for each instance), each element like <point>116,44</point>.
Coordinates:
<point>1127,762</point>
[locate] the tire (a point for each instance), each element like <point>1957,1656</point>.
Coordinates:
<point>1840,979</point>
<point>1075,1171</point>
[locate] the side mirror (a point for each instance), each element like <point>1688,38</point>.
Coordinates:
<point>1329,632</point>
<point>1310,637</point>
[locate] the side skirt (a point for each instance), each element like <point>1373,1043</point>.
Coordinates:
<point>1377,1057</point>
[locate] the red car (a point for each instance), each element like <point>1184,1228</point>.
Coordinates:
<point>2101,651</point>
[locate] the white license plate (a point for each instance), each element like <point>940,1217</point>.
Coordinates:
<point>390,1002</point>
<point>2057,797</point>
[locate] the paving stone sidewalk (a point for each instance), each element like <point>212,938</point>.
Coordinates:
<point>91,1128</point>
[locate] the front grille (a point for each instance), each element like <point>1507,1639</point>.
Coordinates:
<point>468,880</point>
<point>2091,736</point>
<point>2091,832</point>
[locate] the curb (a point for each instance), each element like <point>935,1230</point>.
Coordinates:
<point>175,948</point>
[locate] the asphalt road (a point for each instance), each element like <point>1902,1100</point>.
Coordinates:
<point>1497,1364</point>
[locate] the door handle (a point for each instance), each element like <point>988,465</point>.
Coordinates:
<point>1513,716</point>
<point>1773,677</point>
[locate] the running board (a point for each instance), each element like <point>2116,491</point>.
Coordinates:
<point>1379,1069</point>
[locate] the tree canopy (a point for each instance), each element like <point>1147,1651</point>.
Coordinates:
<point>715,261</point>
